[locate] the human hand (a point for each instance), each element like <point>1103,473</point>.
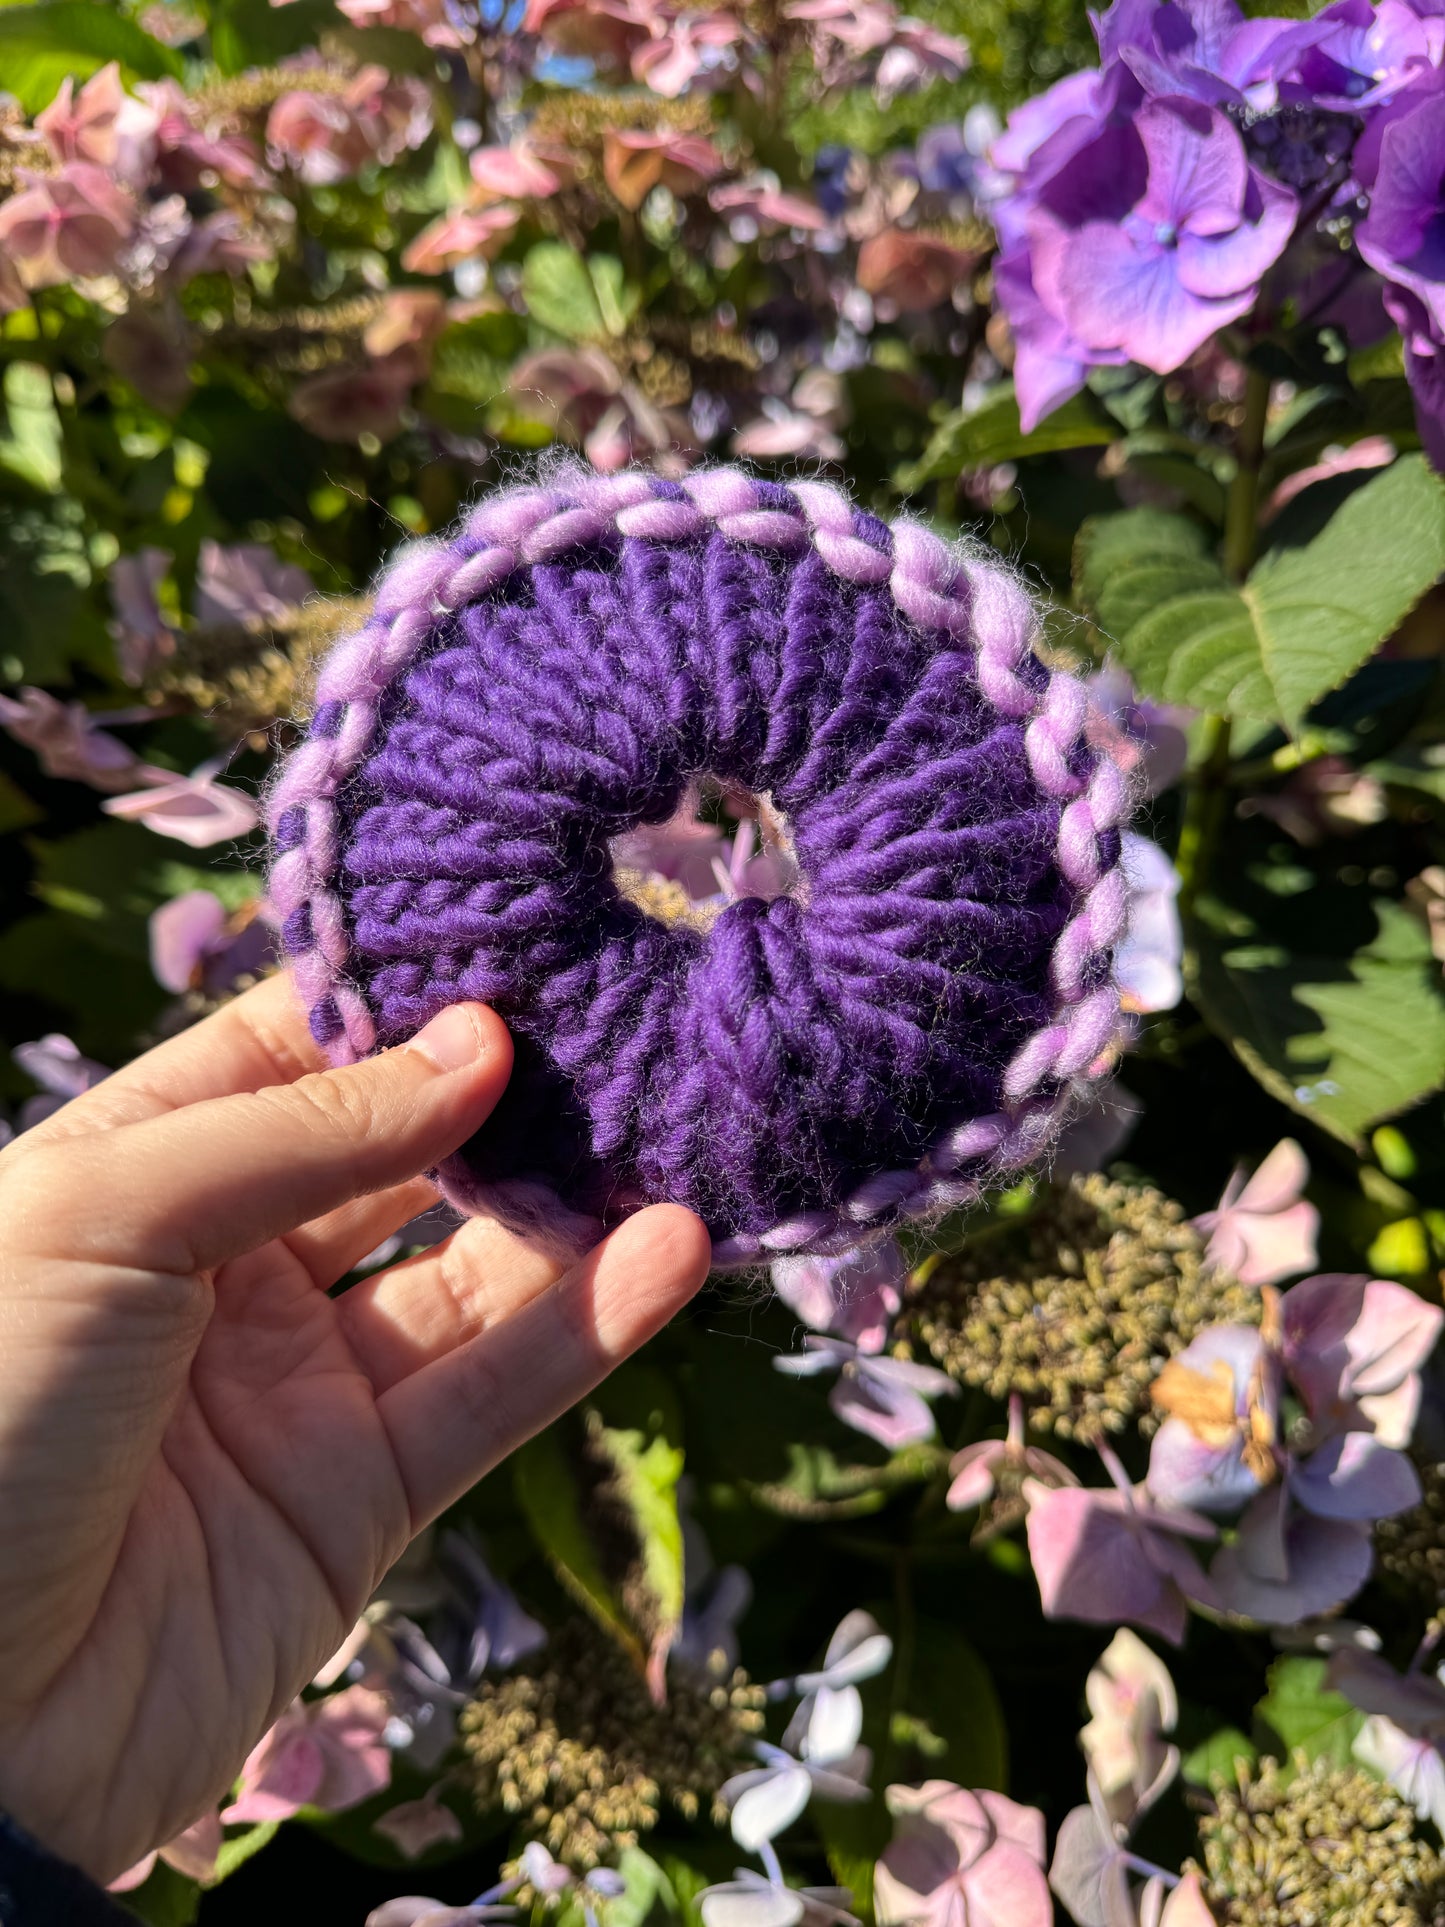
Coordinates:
<point>206,1462</point>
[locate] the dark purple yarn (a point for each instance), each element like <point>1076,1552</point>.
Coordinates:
<point>763,1071</point>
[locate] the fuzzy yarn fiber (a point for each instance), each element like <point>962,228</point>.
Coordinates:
<point>908,1021</point>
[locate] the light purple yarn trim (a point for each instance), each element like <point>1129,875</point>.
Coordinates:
<point>939,589</point>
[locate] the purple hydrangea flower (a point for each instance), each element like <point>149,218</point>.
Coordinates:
<point>1349,1349</point>
<point>197,944</point>
<point>1158,234</point>
<point>1403,235</point>
<point>58,1067</point>
<point>1357,53</point>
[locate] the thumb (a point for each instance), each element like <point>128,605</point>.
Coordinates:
<point>186,1191</point>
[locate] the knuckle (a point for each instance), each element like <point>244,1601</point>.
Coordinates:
<point>336,1103</point>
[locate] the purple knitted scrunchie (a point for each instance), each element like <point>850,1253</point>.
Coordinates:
<point>906,1022</point>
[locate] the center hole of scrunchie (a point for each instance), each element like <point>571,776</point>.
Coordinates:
<point>723,842</point>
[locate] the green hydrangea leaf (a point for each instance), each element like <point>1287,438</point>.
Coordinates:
<point>603,1508</point>
<point>1299,1714</point>
<point>1214,1758</point>
<point>40,46</point>
<point>984,436</point>
<point>1127,565</point>
<point>1307,616</point>
<point>1345,1039</point>
<point>559,292</point>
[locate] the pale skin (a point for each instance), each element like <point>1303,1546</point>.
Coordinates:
<point>206,1462</point>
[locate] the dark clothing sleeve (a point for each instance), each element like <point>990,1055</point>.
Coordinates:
<point>37,1890</point>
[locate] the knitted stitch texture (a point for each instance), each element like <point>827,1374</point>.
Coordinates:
<point>905,1024</point>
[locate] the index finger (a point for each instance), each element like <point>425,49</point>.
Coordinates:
<point>258,1039</point>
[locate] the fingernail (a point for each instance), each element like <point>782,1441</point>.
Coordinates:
<point>450,1040</point>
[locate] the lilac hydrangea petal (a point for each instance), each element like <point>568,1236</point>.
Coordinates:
<point>1090,1872</point>
<point>891,1414</point>
<point>182,934</point>
<point>1413,1701</point>
<point>1117,294</point>
<point>1185,1470</point>
<point>1090,1563</point>
<point>1197,168</point>
<point>1396,1332</point>
<point>1403,235</point>
<point>858,1650</point>
<point>1216,267</point>
<point>1327,1560</point>
<point>834,1725</point>
<point>1353,1476</point>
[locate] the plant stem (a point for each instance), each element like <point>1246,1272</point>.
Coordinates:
<point>1242,505</point>
<point>1205,807</point>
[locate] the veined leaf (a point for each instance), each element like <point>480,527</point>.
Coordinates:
<point>606,1516</point>
<point>40,45</point>
<point>1347,1041</point>
<point>1307,617</point>
<point>1128,564</point>
<point>990,433</point>
<point>31,447</point>
<point>550,1495</point>
<point>1299,1714</point>
<point>561,294</point>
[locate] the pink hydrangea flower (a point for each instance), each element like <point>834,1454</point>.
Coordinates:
<point>855,1295</point>
<point>70,225</point>
<point>327,137</point>
<point>1403,1739</point>
<point>884,1398</point>
<point>193,1853</point>
<point>515,173</point>
<point>329,1753</point>
<point>192,155</point>
<point>246,582</point>
<point>141,634</point>
<point>859,26</point>
<point>1115,1554</point>
<point>961,1859</point>
<point>1148,961</point>
<point>980,1471</point>
<point>783,433</point>
<point>69,742</point>
<point>197,944</point>
<point>761,202</point>
<point>917,54</point>
<point>417,1825</point>
<point>1354,1347</point>
<point>195,809</point>
<point>1263,1229</point>
<point>102,124</point>
<point>57,1065</point>
<point>466,234</point>
<point>684,49</point>
<point>1093,1872</point>
<point>430,20</point>
<point>635,162</point>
